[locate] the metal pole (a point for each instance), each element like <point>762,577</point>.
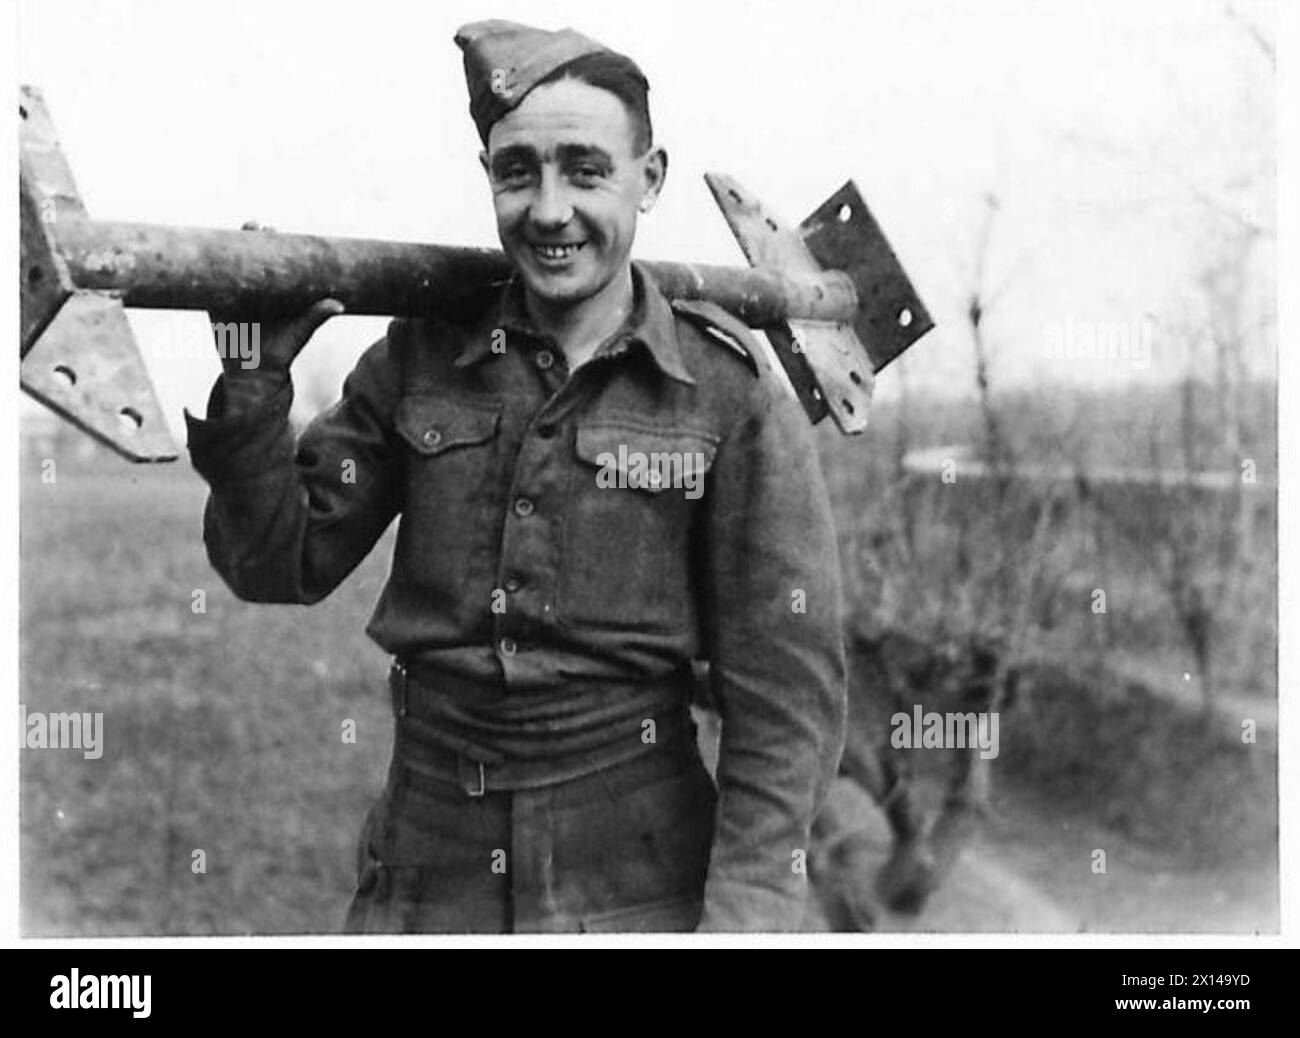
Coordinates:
<point>265,272</point>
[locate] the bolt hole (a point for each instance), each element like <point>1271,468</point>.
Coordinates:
<point>845,214</point>
<point>66,374</point>
<point>130,419</point>
<point>35,276</point>
<point>770,223</point>
<point>855,378</point>
<point>905,318</point>
<point>847,406</point>
<point>735,195</point>
<point>22,111</point>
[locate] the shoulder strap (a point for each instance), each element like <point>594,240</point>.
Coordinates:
<point>720,326</point>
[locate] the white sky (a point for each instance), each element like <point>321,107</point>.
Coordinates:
<point>350,119</point>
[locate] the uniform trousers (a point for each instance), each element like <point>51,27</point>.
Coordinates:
<point>624,848</point>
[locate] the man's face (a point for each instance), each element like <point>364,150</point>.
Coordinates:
<point>567,186</point>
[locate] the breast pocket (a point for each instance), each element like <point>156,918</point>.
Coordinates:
<point>634,491</point>
<point>452,489</point>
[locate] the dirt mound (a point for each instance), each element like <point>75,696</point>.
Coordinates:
<point>980,894</point>
<point>1169,776</point>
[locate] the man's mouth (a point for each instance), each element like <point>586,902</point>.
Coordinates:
<point>557,251</point>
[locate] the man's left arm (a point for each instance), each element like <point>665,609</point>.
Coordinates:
<point>772,616</point>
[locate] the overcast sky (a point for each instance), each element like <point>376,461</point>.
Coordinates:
<point>1107,131</point>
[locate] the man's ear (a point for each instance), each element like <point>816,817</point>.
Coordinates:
<point>655,172</point>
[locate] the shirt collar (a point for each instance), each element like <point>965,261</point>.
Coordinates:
<point>651,323</point>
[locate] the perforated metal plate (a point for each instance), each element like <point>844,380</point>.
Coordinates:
<point>828,366</point>
<point>79,356</point>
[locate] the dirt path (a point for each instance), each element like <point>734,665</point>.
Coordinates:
<point>1143,890</point>
<point>1032,872</point>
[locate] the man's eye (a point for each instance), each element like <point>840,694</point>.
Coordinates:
<point>513,174</point>
<point>587,173</point>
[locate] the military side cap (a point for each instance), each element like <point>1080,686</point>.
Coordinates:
<point>505,60</point>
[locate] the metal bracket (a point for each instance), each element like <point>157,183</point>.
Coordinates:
<point>79,357</point>
<point>841,234</point>
<point>830,364</point>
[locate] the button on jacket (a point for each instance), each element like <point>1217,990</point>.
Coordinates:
<point>536,550</point>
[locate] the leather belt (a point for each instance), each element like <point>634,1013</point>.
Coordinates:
<point>431,750</point>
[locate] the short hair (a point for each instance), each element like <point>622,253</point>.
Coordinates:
<point>619,75</point>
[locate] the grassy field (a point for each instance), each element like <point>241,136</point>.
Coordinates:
<point>222,729</point>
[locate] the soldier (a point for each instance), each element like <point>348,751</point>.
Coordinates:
<point>597,487</point>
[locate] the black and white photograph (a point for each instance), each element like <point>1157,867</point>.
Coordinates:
<point>568,468</point>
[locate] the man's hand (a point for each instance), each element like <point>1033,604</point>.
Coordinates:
<point>247,343</point>
<point>269,346</point>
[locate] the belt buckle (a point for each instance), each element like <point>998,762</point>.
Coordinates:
<point>461,761</point>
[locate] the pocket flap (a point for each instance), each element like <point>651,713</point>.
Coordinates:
<point>433,424</point>
<point>646,457</point>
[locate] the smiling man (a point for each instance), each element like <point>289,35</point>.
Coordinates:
<point>544,618</point>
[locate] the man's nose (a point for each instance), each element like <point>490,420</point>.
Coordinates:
<point>551,208</point>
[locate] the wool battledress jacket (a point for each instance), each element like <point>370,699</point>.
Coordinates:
<point>564,541</point>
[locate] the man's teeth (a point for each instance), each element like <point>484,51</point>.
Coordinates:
<point>558,251</point>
